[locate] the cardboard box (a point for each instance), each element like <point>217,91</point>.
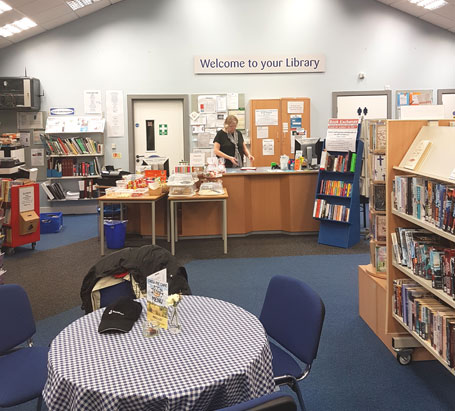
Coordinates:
<point>28,222</point>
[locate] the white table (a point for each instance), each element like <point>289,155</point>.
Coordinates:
<point>221,357</point>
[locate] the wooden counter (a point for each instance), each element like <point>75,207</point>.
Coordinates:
<point>259,201</point>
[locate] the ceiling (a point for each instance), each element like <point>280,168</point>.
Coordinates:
<point>443,17</point>
<point>47,14</point>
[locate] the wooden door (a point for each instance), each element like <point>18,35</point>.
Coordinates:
<point>265,124</point>
<point>295,114</point>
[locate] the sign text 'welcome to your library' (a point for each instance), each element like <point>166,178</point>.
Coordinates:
<point>282,64</point>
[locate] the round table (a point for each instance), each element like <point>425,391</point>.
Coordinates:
<point>221,357</point>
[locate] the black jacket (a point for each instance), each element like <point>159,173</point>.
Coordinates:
<point>140,263</point>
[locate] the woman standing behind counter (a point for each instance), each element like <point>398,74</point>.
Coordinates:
<point>229,144</point>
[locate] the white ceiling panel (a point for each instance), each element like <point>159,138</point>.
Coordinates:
<point>60,21</point>
<point>38,6</point>
<point>52,14</point>
<point>26,34</point>
<point>443,17</point>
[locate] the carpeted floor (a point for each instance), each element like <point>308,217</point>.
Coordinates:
<point>53,277</point>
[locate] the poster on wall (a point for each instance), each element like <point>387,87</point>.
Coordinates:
<point>266,117</point>
<point>114,113</point>
<point>268,147</point>
<point>92,101</point>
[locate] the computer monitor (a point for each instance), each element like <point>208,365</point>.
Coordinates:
<point>309,148</point>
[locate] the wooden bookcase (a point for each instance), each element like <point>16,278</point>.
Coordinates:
<point>401,135</point>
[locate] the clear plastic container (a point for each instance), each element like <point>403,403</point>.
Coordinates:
<point>111,192</point>
<point>182,190</point>
<point>211,188</point>
<point>180,179</point>
<point>121,183</point>
<point>139,192</point>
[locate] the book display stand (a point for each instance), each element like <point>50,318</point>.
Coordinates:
<point>420,236</point>
<point>337,203</point>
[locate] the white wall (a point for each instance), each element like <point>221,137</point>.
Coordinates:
<point>147,47</point>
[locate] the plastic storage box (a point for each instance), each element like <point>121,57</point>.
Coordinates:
<point>51,222</point>
<point>182,185</point>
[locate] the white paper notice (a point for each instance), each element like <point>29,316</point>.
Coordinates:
<point>240,114</point>
<point>232,101</point>
<point>341,134</point>
<point>92,101</point>
<point>197,159</point>
<point>285,127</point>
<point>198,129</point>
<point>212,120</point>
<point>266,117</point>
<point>221,103</point>
<point>24,138</point>
<point>295,107</point>
<point>206,104</point>
<point>37,155</point>
<point>262,132</point>
<point>114,113</point>
<point>268,147</point>
<point>26,199</point>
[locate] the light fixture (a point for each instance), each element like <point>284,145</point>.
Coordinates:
<point>16,27</point>
<point>4,7</point>
<point>78,4</point>
<point>429,4</point>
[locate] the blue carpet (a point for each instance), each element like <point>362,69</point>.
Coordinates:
<point>353,371</point>
<point>77,227</point>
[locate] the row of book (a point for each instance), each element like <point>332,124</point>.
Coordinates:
<point>87,190</point>
<point>338,162</point>
<point>325,210</point>
<point>335,188</point>
<point>70,146</point>
<point>432,320</point>
<point>424,254</point>
<point>71,167</point>
<point>426,200</point>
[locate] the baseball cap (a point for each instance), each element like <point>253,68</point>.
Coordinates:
<point>120,316</point>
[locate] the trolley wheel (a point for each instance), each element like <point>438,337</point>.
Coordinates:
<point>404,359</point>
<point>33,246</point>
<point>10,251</point>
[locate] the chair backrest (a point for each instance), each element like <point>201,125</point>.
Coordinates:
<point>16,318</point>
<point>293,314</point>
<point>275,401</point>
<point>109,294</point>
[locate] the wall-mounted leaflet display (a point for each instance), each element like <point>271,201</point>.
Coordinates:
<point>412,98</point>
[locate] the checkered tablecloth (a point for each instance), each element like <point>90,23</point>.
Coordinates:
<point>220,357</point>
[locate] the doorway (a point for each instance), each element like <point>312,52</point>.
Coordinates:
<point>158,125</point>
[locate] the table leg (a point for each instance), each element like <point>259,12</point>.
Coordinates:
<point>176,226</point>
<point>102,227</point>
<point>225,226</point>
<point>121,211</point>
<point>168,219</point>
<point>153,224</point>
<point>171,207</point>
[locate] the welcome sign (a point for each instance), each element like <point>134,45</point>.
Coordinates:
<point>259,64</point>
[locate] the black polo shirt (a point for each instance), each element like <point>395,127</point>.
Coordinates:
<point>227,147</point>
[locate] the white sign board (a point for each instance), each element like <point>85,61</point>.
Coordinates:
<point>292,63</point>
<point>267,117</point>
<point>341,134</point>
<point>26,199</point>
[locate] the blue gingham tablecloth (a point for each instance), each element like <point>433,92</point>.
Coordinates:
<point>221,357</point>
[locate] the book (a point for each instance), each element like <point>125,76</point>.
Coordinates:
<point>379,197</point>
<point>353,162</point>
<point>417,155</point>
<point>48,192</point>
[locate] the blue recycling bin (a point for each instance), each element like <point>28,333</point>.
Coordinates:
<point>115,233</point>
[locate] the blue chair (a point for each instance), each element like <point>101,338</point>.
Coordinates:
<point>292,315</point>
<point>23,371</point>
<point>276,401</point>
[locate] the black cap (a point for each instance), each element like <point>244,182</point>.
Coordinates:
<point>120,316</point>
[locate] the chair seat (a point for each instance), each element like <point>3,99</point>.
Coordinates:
<point>283,363</point>
<point>23,374</point>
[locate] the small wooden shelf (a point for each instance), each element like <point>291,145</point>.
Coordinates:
<point>424,224</point>
<point>73,177</point>
<point>432,176</point>
<point>426,284</point>
<point>424,343</point>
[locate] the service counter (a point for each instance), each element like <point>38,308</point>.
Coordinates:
<point>259,201</point>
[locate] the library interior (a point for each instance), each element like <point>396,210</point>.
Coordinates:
<point>195,214</point>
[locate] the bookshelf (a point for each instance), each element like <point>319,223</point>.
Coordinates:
<point>74,150</point>
<point>377,164</point>
<point>402,138</point>
<point>339,214</point>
